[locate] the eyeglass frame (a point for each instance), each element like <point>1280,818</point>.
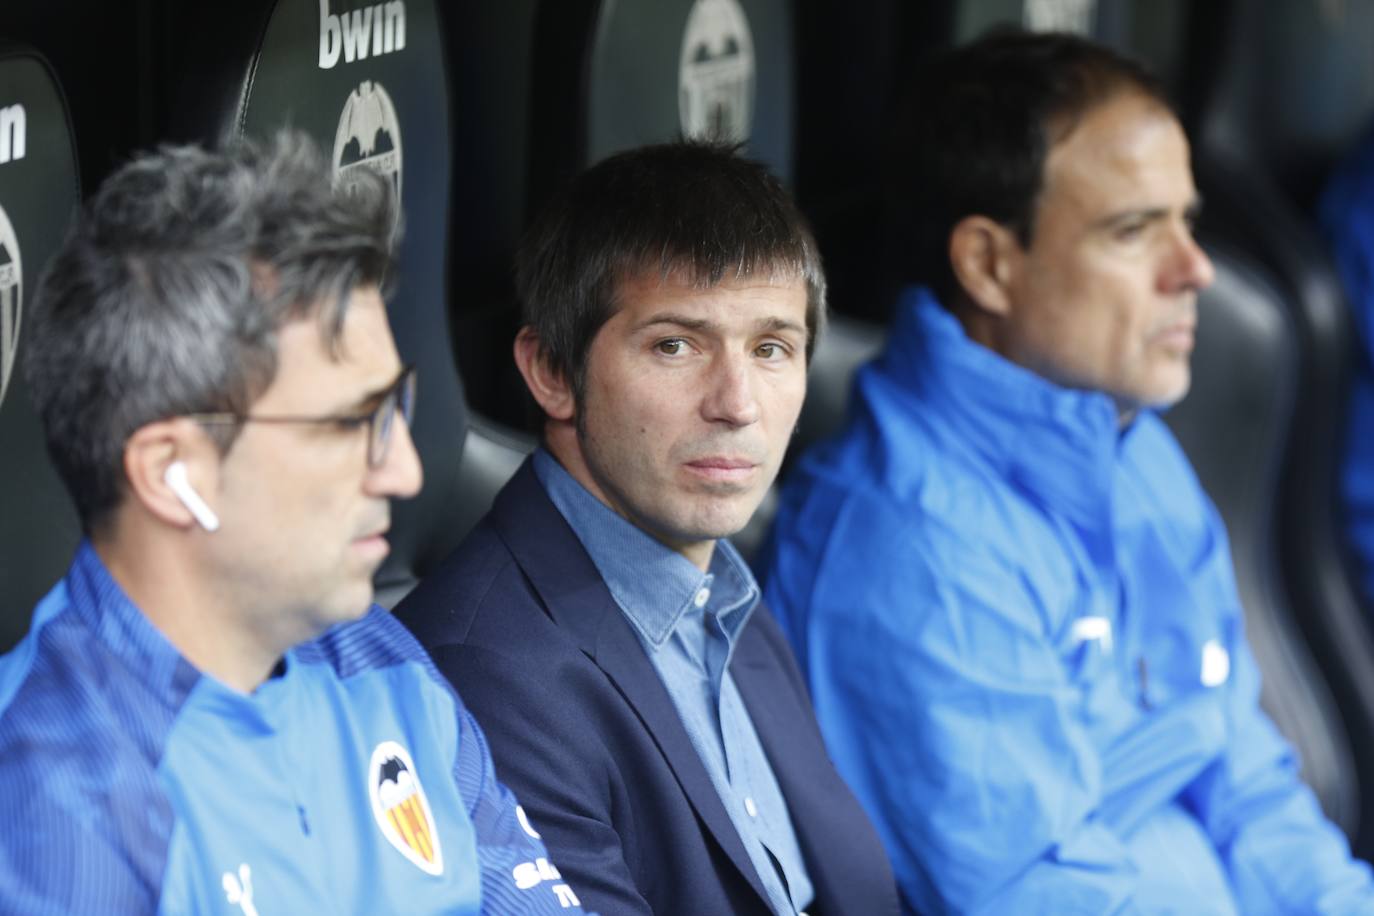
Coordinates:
<point>398,397</point>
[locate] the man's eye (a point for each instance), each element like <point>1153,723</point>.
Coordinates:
<point>770,350</point>
<point>352,422</point>
<point>1129,232</point>
<point>673,346</point>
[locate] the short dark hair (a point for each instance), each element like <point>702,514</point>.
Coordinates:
<point>694,208</point>
<point>168,291</point>
<point>973,132</point>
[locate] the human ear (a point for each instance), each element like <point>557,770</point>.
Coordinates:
<point>982,253</point>
<point>551,390</point>
<point>168,465</point>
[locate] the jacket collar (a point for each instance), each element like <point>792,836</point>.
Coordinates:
<point>654,585</point>
<point>1058,444</point>
<point>576,598</point>
<point>122,629</point>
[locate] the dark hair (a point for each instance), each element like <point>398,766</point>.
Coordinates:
<point>973,133</point>
<point>168,291</point>
<point>691,207</point>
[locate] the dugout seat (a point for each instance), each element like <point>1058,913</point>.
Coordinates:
<point>1279,90</point>
<point>369,84</point>
<point>39,195</point>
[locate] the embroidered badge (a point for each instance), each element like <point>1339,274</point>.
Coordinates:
<point>401,808</point>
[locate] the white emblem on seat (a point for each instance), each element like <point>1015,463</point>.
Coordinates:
<point>716,72</point>
<point>1075,16</point>
<point>11,301</point>
<point>14,133</point>
<point>368,137</point>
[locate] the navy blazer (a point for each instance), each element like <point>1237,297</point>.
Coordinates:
<point>585,734</point>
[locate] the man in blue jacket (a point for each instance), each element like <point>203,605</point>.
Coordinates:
<point>1013,602</point>
<point>638,698</point>
<point>205,716</point>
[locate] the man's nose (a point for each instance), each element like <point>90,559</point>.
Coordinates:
<point>731,396</point>
<point>401,474</point>
<point>1191,268</point>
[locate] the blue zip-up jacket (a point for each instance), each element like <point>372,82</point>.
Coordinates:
<point>353,781</point>
<point>1023,638</point>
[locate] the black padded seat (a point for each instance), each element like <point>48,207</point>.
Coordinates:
<point>1264,113</point>
<point>39,195</point>
<point>369,83</point>
<point>1236,425</point>
<point>846,344</point>
<point>612,76</point>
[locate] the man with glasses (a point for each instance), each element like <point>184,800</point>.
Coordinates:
<point>206,716</point>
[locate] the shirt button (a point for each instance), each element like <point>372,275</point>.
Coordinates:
<point>703,595</point>
<point>750,807</point>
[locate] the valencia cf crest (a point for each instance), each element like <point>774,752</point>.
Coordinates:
<point>368,137</point>
<point>401,808</point>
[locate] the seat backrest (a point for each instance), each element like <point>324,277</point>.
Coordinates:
<point>1252,143</point>
<point>368,83</point>
<point>610,76</point>
<point>39,195</point>
<point>1287,85</point>
<point>1236,424</point>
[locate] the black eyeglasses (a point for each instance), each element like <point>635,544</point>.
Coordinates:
<point>380,420</point>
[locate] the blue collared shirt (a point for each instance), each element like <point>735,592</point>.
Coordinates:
<point>688,622</point>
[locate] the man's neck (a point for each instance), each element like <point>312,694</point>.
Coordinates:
<point>163,584</point>
<point>560,441</point>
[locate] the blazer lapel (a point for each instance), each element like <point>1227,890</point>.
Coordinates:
<point>576,597</point>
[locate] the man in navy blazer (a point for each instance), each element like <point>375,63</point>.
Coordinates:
<point>642,704</point>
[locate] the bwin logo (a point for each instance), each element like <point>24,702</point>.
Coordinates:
<point>716,72</point>
<point>14,129</point>
<point>355,34</point>
<point>11,301</point>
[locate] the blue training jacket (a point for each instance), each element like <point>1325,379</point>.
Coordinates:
<point>1022,634</point>
<point>354,781</point>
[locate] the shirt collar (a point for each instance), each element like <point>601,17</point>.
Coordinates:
<point>97,599</point>
<point>124,630</point>
<point>653,585</point>
<point>1061,444</point>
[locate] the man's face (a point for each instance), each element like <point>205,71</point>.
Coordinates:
<point>691,396</point>
<point>1105,296</point>
<point>303,516</point>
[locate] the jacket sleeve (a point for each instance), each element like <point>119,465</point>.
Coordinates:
<point>517,874</point>
<point>1282,853</point>
<point>51,863</point>
<point>544,754</point>
<point>959,735</point>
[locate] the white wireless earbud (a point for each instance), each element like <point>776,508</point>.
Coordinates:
<point>176,481</point>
